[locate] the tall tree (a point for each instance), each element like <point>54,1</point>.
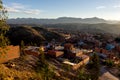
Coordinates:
<point>95,64</point>
<point>3,26</point>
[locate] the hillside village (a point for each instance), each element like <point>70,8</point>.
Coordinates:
<point>74,53</point>
<point>64,48</point>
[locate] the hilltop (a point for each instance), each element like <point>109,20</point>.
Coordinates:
<point>31,35</point>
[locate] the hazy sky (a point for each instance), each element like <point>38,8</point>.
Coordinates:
<point>107,9</point>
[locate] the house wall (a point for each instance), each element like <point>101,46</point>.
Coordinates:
<point>9,53</point>
<point>85,61</point>
<point>55,54</point>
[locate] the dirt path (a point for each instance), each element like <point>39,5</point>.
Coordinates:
<point>106,75</point>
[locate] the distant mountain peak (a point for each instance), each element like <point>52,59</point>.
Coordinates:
<point>68,18</point>
<point>92,20</point>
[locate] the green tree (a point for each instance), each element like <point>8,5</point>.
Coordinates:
<point>95,64</point>
<point>43,69</point>
<point>22,44</point>
<point>81,75</point>
<point>22,47</point>
<point>3,26</point>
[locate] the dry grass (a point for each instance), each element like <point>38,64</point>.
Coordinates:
<point>12,74</point>
<point>23,69</point>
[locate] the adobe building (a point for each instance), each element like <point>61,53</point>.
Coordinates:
<point>74,57</point>
<point>74,53</point>
<point>68,46</point>
<point>9,53</point>
<point>85,60</point>
<point>55,53</point>
<point>74,65</point>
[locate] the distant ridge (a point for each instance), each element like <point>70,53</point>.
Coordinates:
<point>93,20</point>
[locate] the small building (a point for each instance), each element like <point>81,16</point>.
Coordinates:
<point>97,49</point>
<point>9,53</point>
<point>87,51</point>
<point>80,43</point>
<point>67,36</point>
<point>68,46</point>
<point>104,51</point>
<point>54,53</point>
<point>101,55</point>
<point>74,53</point>
<point>110,46</point>
<point>85,60</point>
<point>59,48</point>
<point>74,66</point>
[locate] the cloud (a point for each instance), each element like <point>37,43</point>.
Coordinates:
<point>13,10</point>
<point>116,6</point>
<point>35,11</point>
<point>19,8</point>
<point>101,7</point>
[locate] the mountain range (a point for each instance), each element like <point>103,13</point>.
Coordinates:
<point>93,20</point>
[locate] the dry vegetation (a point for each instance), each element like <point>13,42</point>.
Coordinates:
<point>18,69</point>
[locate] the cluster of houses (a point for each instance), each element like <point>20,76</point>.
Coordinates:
<point>105,47</point>
<point>66,54</point>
